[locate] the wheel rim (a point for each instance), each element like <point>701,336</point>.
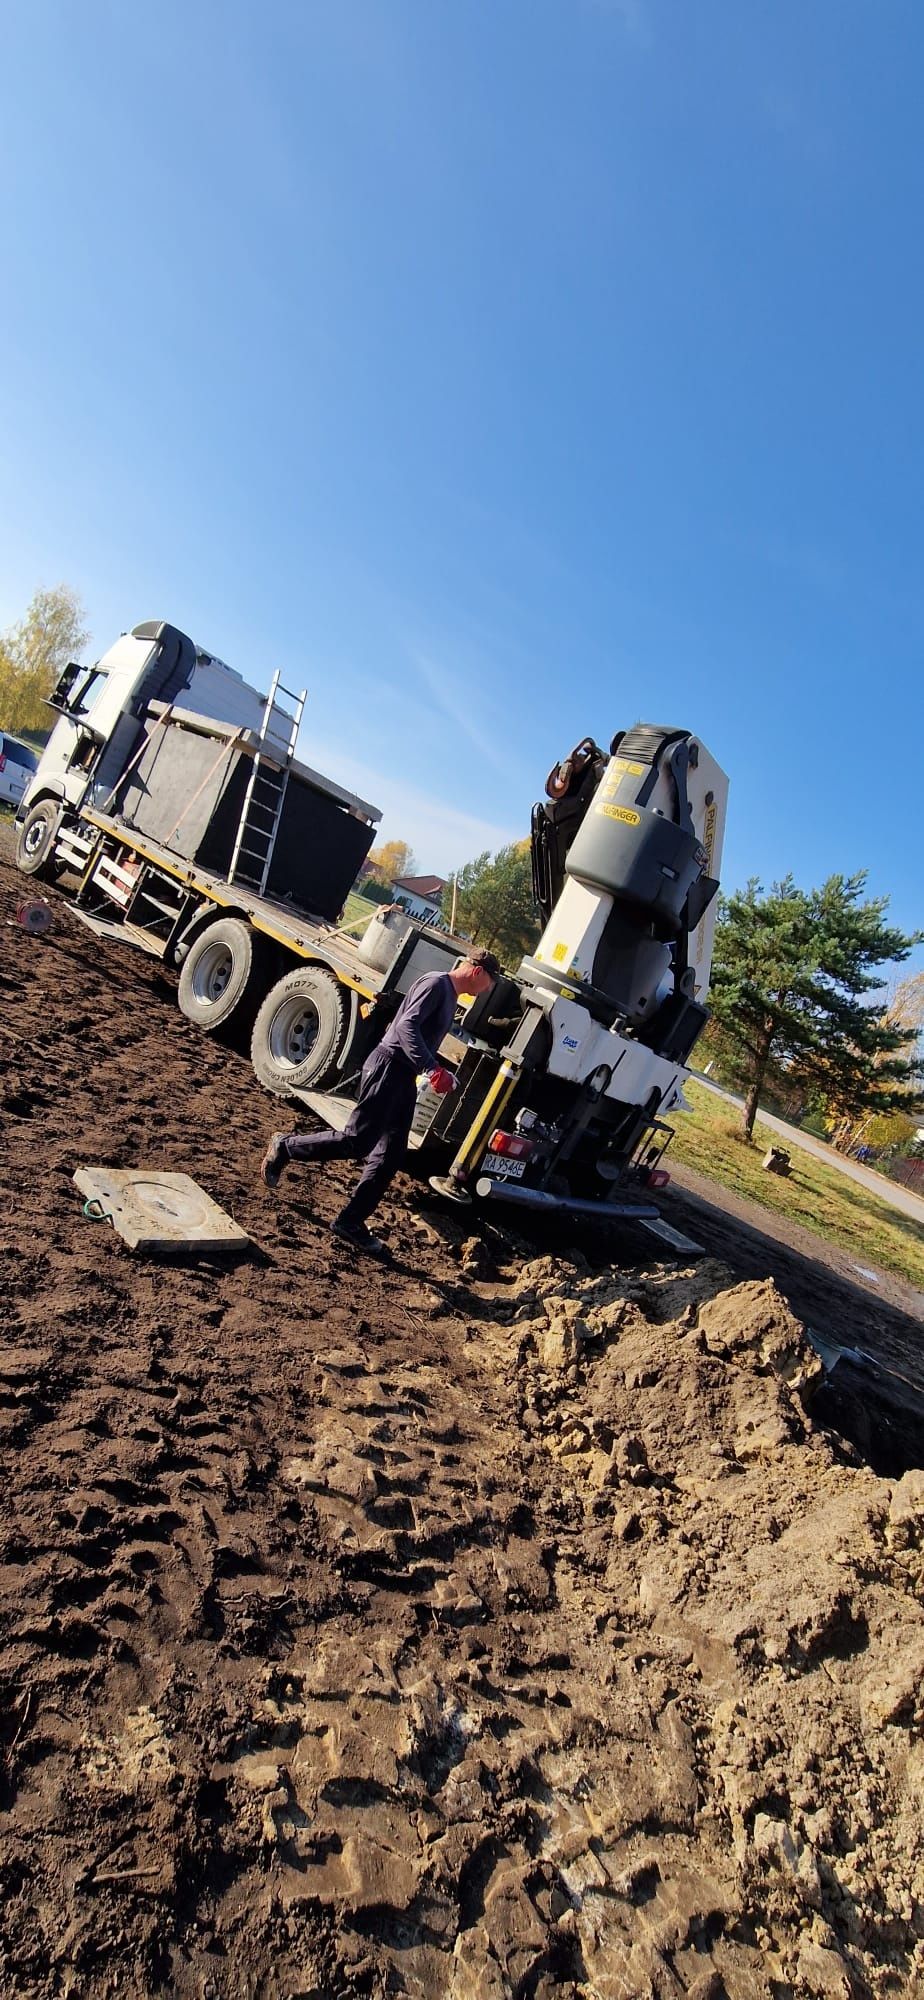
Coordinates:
<point>211,974</point>
<point>293,1032</point>
<point>35,835</point>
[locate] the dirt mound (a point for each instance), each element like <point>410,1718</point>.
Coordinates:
<point>468,1627</point>
<point>778,1588</point>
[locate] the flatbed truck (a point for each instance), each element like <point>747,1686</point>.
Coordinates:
<point>173,792</point>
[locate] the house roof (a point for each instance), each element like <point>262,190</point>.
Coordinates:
<point>428,886</point>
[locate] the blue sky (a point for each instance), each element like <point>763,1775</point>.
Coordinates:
<point>505,370</point>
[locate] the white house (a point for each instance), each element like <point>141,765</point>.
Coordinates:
<point>421,896</point>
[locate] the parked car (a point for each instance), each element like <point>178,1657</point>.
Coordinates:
<point>17,765</point>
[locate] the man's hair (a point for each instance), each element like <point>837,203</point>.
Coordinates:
<point>486,962</point>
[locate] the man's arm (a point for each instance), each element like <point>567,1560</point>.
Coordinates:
<point>419,1014</point>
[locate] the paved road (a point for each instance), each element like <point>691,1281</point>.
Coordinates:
<point>890,1191</point>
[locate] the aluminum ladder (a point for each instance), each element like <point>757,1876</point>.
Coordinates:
<point>264,798</point>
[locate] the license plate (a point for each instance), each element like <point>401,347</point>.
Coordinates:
<point>504,1169</point>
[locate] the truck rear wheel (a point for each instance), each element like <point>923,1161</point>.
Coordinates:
<point>36,839</point>
<point>299,1031</point>
<point>220,974</point>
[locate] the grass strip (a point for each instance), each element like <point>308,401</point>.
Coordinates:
<point>711,1140</point>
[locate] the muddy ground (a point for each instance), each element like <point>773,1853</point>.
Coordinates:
<point>497,1623</point>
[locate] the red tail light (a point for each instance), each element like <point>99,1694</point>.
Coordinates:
<point>2,760</point>
<point>658,1177</point>
<point>512,1144</point>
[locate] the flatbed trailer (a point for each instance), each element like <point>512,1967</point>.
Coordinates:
<point>200,890</point>
<point>312,1003</point>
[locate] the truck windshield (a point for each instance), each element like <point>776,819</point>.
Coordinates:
<point>85,690</point>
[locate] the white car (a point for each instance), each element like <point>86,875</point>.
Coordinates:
<point>18,765</point>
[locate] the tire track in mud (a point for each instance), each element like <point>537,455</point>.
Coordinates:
<point>371,1632</point>
<point>347,1630</point>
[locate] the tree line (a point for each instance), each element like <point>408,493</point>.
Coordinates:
<point>799,1014</point>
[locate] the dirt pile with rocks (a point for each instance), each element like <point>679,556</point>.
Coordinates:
<point>778,1591</point>
<point>479,1625</point>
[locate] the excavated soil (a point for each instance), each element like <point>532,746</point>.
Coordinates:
<point>499,1622</point>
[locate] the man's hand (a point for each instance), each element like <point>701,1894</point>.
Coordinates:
<point>441,1080</point>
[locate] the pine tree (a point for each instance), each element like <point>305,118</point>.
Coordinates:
<point>494,902</point>
<point>876,1122</point>
<point>791,972</point>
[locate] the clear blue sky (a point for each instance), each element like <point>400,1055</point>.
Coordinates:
<point>506,371</point>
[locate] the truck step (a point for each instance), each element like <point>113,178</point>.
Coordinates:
<point>145,940</point>
<point>74,848</point>
<point>102,927</point>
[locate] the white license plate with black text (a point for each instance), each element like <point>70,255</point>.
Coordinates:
<point>504,1169</point>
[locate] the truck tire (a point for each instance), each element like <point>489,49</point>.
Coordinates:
<point>299,1031</point>
<point>36,839</point>
<point>220,974</point>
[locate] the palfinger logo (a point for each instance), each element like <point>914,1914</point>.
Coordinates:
<point>623,813</point>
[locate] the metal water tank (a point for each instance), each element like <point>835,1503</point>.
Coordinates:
<point>382,938</point>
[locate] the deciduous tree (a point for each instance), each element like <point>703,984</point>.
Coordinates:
<point>392,861</point>
<point>34,653</point>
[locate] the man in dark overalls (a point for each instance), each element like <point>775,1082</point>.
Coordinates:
<point>378,1129</point>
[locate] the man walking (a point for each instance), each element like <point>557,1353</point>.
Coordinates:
<point>378,1129</point>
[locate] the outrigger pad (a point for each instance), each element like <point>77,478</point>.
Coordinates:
<point>154,1211</point>
<point>454,1190</point>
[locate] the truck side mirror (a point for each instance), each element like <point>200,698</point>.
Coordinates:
<point>60,693</point>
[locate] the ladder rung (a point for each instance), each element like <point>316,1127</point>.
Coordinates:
<point>271,765</point>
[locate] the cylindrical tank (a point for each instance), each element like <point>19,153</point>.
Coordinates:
<point>381,939</point>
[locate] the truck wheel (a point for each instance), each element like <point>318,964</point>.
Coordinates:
<point>220,974</point>
<point>36,839</point>
<point>299,1031</point>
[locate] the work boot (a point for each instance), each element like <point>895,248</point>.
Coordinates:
<point>356,1234</point>
<point>275,1160</point>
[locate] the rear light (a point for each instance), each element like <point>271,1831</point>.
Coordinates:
<point>658,1177</point>
<point>512,1144</point>
<point>2,760</point>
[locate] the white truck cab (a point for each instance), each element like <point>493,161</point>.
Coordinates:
<point>102,713</point>
<point>101,708</point>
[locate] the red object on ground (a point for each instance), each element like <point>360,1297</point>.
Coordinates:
<point>34,915</point>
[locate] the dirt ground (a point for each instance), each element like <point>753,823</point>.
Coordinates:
<point>499,1622</point>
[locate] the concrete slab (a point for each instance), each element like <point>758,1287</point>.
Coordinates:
<point>159,1211</point>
